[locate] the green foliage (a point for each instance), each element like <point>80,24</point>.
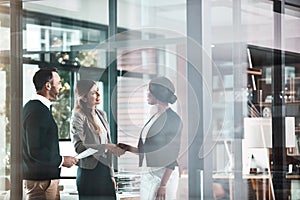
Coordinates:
<point>62,107</point>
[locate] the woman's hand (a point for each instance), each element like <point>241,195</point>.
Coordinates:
<point>117,151</point>
<point>114,182</point>
<point>126,147</point>
<point>129,148</point>
<point>161,193</point>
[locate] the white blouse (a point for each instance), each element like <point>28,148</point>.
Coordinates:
<point>148,126</point>
<point>103,135</point>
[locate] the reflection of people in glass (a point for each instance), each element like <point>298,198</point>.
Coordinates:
<point>159,143</point>
<point>90,129</point>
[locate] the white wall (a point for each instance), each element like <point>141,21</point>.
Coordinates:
<point>88,10</point>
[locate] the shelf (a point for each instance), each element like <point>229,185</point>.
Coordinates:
<point>128,181</point>
<point>270,104</point>
<point>294,155</point>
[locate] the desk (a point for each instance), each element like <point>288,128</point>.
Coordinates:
<point>245,176</point>
<point>262,187</point>
<point>128,196</point>
<point>295,185</point>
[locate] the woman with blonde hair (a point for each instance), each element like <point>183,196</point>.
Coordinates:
<point>90,129</point>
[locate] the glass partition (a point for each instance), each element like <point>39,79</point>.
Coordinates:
<point>5,103</point>
<point>250,44</point>
<point>152,44</point>
<point>65,36</point>
<point>232,63</point>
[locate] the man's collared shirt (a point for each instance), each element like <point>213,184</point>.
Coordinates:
<point>42,99</point>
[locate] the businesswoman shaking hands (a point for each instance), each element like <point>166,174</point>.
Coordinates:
<point>90,129</point>
<point>159,144</point>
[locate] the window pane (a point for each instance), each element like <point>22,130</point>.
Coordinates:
<point>142,54</point>
<point>5,102</point>
<point>4,130</point>
<point>59,34</point>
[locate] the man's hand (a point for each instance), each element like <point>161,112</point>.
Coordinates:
<point>69,161</point>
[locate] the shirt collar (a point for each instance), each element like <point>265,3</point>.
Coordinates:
<point>42,99</point>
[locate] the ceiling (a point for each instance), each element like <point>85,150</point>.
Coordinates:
<point>255,21</point>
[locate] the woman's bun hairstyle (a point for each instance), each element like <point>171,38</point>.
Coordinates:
<point>163,89</point>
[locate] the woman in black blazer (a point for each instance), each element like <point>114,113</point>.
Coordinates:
<point>90,129</point>
<point>159,144</point>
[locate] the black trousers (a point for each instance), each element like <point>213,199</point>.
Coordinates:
<point>95,183</point>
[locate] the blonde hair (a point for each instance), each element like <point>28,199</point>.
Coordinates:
<point>83,87</point>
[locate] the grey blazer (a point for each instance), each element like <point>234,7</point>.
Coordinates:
<point>85,136</point>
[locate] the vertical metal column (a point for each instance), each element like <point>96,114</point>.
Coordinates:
<point>112,72</point>
<point>278,107</point>
<point>238,72</point>
<point>16,98</point>
<point>200,176</point>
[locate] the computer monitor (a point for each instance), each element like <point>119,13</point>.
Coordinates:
<point>258,132</point>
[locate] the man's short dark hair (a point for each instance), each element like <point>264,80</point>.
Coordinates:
<point>42,76</point>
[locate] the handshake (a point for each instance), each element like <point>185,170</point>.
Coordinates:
<point>118,149</point>
<point>123,146</point>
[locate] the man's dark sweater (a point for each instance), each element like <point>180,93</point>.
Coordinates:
<point>41,157</point>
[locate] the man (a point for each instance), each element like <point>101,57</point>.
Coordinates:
<point>41,159</point>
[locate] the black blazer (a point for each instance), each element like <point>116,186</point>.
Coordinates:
<point>162,143</point>
<point>41,158</point>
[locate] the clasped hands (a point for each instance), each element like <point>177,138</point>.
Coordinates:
<point>115,149</point>
<point>119,149</point>
<point>123,146</point>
